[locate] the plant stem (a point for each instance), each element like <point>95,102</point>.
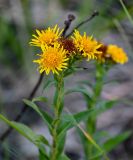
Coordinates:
<point>91,122</point>
<point>58,106</point>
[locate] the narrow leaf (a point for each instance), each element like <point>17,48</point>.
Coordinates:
<point>102,106</point>
<point>25,131</point>
<point>41,99</point>
<point>42,155</point>
<point>61,143</point>
<point>80,90</point>
<point>68,121</point>
<point>114,141</point>
<point>45,116</point>
<point>48,83</point>
<point>63,157</point>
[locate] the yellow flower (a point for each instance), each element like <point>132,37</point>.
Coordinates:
<point>117,54</point>
<point>86,45</point>
<point>52,59</point>
<point>48,36</point>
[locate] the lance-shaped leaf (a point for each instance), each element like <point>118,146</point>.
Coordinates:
<point>39,99</point>
<point>70,120</point>
<point>45,116</point>
<point>114,141</point>
<point>81,90</point>
<point>48,84</point>
<point>63,157</point>
<point>25,131</point>
<point>102,106</point>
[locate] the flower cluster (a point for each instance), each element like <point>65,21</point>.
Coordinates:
<point>57,51</point>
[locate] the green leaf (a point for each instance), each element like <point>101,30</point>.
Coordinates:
<point>97,156</point>
<point>22,129</point>
<point>87,83</point>
<point>61,144</point>
<point>38,140</point>
<point>63,157</point>
<point>68,72</point>
<point>106,104</point>
<point>87,94</point>
<point>97,150</point>
<point>25,131</point>
<point>63,128</point>
<point>45,116</point>
<point>99,135</point>
<point>83,91</point>
<point>102,106</point>
<point>68,121</point>
<point>114,141</point>
<point>48,83</point>
<point>42,139</point>
<point>42,155</point>
<point>78,117</point>
<point>40,99</point>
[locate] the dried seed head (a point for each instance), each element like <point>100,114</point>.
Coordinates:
<point>71,17</point>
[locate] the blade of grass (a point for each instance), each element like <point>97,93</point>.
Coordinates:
<point>88,136</point>
<point>127,12</point>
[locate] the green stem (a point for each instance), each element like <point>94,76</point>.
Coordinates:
<point>91,122</point>
<point>58,106</point>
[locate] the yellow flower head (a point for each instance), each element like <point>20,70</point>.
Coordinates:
<point>86,45</point>
<point>117,54</point>
<point>48,36</point>
<point>52,59</point>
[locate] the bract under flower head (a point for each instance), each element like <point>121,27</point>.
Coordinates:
<point>52,59</point>
<point>86,45</point>
<point>117,54</point>
<point>46,37</point>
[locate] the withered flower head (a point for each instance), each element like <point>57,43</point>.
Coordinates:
<point>68,45</point>
<point>103,56</point>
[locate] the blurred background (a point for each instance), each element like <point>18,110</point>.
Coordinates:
<point>18,75</point>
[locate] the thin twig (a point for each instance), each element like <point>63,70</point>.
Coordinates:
<point>24,108</point>
<point>95,13</point>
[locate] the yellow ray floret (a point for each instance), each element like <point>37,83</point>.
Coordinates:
<point>117,54</point>
<point>86,45</point>
<point>48,36</point>
<point>52,59</point>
